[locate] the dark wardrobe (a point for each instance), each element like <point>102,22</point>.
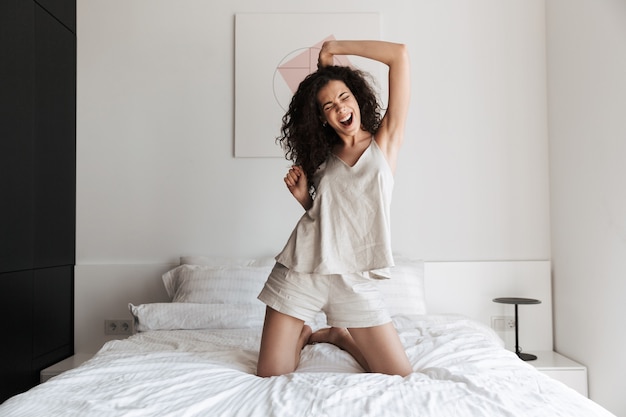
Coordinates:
<point>37,188</point>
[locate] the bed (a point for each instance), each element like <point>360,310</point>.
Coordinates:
<point>196,356</point>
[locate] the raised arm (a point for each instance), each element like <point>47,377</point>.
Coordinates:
<point>391,132</point>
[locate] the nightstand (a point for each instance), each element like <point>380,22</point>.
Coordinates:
<point>563,369</point>
<point>64,365</point>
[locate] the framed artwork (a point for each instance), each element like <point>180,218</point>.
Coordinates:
<point>273,53</point>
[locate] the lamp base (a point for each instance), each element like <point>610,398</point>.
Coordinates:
<point>526,356</point>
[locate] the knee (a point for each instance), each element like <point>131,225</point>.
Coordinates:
<point>271,364</point>
<point>405,371</point>
<point>263,374</point>
<point>266,371</point>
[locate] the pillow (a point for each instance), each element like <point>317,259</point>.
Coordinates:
<point>191,316</point>
<point>214,284</point>
<point>404,291</point>
<point>235,282</point>
<point>225,261</point>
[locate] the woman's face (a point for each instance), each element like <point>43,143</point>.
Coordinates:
<point>339,108</point>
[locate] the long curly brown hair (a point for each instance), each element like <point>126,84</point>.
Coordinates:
<point>304,139</point>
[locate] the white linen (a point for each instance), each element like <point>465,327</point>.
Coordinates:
<point>404,293</point>
<point>213,285</point>
<point>192,316</point>
<point>347,229</point>
<point>460,369</point>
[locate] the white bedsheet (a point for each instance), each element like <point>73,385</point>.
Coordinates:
<point>461,369</point>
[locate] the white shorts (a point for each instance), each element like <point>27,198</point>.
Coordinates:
<point>349,300</point>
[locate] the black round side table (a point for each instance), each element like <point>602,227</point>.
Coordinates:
<point>517,301</point>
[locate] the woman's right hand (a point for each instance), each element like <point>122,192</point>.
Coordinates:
<point>325,58</point>
<point>298,185</point>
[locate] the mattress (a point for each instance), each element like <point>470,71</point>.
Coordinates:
<point>461,368</point>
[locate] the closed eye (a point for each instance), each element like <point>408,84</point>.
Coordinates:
<point>342,97</point>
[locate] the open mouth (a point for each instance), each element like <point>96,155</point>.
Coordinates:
<point>347,121</point>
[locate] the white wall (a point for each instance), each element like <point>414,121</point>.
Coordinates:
<point>587,109</point>
<point>156,176</point>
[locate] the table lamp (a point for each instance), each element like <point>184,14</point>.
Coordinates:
<point>517,301</point>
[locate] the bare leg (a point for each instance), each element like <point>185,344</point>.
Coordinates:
<point>281,343</point>
<point>376,349</point>
<point>383,350</point>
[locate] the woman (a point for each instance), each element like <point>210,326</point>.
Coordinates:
<point>344,158</point>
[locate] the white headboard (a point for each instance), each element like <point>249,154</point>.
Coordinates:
<point>468,288</point>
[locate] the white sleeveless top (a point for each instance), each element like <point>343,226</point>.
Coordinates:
<point>348,227</point>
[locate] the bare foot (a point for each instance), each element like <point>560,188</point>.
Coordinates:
<point>341,338</point>
<point>337,336</point>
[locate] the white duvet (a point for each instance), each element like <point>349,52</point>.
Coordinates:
<point>460,369</point>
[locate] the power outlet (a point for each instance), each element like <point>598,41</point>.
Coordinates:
<point>118,327</point>
<point>503,323</point>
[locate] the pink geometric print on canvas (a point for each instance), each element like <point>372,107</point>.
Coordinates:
<point>295,68</point>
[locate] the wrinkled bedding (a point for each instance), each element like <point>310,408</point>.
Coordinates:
<point>460,369</point>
